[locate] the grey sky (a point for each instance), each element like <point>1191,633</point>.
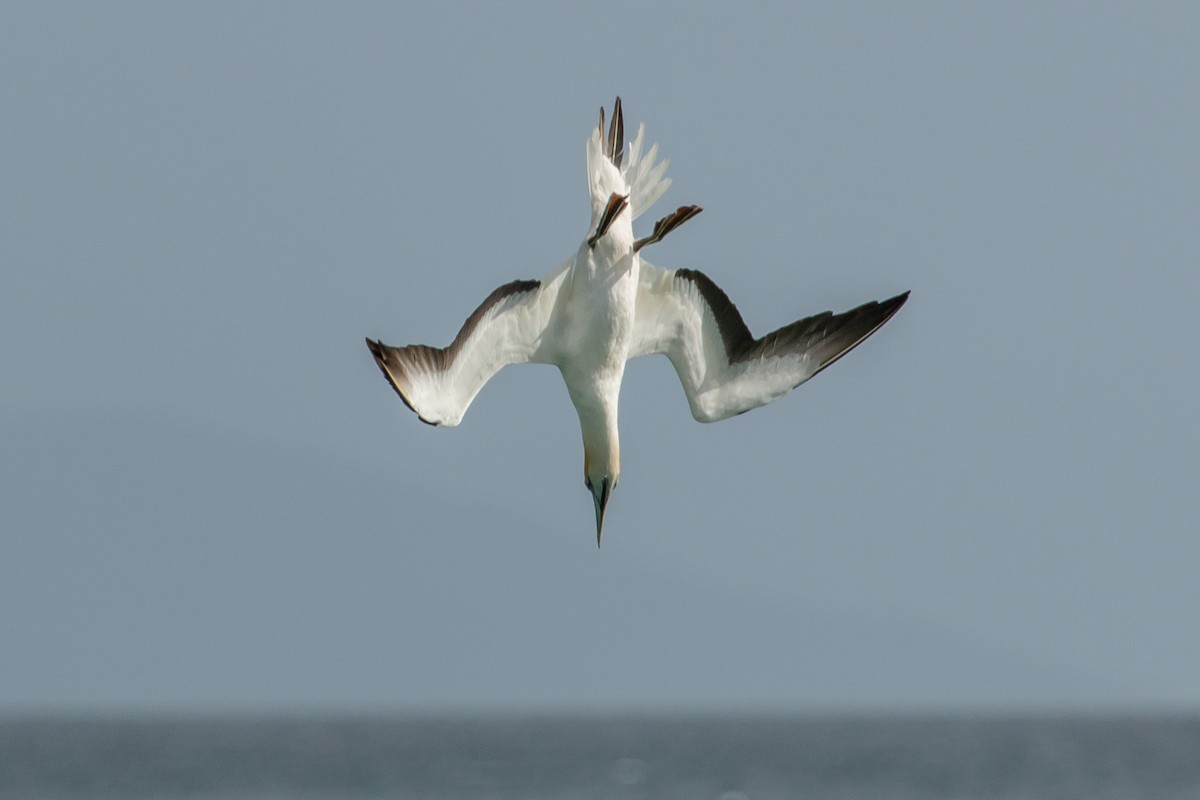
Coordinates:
<point>209,498</point>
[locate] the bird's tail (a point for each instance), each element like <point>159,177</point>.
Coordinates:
<point>647,181</point>
<point>612,170</point>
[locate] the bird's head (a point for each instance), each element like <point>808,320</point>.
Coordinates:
<point>600,475</point>
<point>601,489</point>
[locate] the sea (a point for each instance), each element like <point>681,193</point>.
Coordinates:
<point>692,757</point>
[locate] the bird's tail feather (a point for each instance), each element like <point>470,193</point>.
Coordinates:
<point>646,180</point>
<point>614,170</point>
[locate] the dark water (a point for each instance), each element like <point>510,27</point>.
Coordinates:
<point>574,758</point>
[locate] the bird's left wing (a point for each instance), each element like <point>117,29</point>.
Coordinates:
<point>439,383</point>
<point>724,369</point>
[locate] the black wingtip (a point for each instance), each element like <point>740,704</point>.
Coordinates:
<point>892,305</point>
<point>381,359</point>
<point>862,322</point>
<point>883,310</point>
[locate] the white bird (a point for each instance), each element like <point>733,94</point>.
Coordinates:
<point>605,305</point>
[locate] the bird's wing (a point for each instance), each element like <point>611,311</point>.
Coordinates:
<point>724,369</point>
<point>507,328</point>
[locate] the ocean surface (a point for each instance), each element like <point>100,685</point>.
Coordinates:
<point>573,758</point>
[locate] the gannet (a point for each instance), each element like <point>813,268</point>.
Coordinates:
<point>605,305</point>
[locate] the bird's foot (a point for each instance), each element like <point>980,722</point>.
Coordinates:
<point>666,225</point>
<point>616,204</point>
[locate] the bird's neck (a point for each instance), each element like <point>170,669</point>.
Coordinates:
<point>601,444</point>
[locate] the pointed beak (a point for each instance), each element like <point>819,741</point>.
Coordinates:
<point>600,494</point>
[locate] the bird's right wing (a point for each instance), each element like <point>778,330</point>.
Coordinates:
<point>724,369</point>
<point>439,383</point>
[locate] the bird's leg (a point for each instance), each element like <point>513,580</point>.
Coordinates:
<point>666,225</point>
<point>616,204</point>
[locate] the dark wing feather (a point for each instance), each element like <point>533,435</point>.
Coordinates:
<point>724,369</point>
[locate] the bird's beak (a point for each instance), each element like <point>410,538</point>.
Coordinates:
<point>600,495</point>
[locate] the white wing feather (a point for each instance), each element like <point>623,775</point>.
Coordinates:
<point>724,370</point>
<point>507,328</point>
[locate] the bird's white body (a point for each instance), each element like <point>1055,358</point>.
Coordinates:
<point>595,326</point>
<point>606,305</point>
<point>594,331</point>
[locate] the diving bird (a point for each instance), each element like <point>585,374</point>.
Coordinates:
<point>605,305</point>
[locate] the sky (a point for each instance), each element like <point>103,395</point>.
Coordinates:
<point>210,499</point>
